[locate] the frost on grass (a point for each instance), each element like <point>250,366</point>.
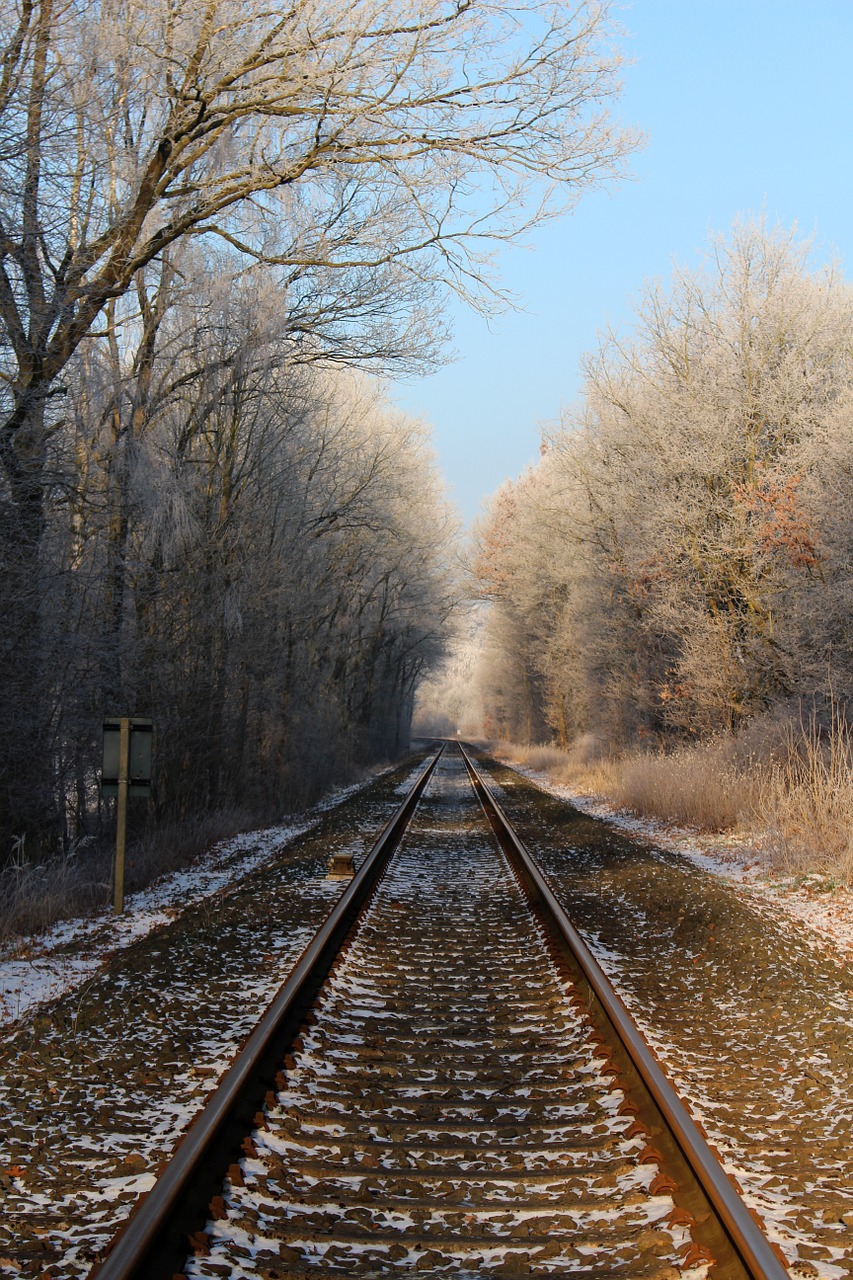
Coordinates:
<point>822,908</point>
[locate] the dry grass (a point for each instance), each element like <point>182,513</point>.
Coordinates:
<point>807,803</point>
<point>700,786</point>
<point>585,765</point>
<point>35,896</point>
<point>788,784</point>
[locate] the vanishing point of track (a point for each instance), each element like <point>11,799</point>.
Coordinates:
<point>445,1085</point>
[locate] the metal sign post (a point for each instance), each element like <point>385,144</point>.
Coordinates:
<point>126,772</point>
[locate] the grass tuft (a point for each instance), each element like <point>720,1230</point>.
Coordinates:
<point>807,803</point>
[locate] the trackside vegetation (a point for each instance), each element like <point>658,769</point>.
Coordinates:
<point>670,588</point>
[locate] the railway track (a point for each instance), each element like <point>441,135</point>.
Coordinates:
<point>448,1088</point>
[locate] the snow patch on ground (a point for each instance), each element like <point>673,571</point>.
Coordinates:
<point>822,908</point>
<point>38,969</point>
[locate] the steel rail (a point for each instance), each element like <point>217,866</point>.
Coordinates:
<point>153,1243</point>
<point>748,1242</point>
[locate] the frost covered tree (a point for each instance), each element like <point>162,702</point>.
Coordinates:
<point>704,429</point>
<point>520,610</point>
<point>453,700</point>
<point>341,145</point>
<point>284,572</point>
<point>676,560</point>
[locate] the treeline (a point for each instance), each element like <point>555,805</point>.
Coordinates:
<point>251,552</point>
<point>204,212</point>
<point>679,560</point>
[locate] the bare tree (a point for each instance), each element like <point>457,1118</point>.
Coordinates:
<point>340,144</point>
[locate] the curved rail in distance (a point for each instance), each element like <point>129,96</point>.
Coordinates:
<point>152,1244</point>
<point>747,1244</point>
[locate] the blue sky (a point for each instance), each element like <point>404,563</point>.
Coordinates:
<point>747,107</point>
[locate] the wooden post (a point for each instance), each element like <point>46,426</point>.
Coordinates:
<point>121,811</point>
